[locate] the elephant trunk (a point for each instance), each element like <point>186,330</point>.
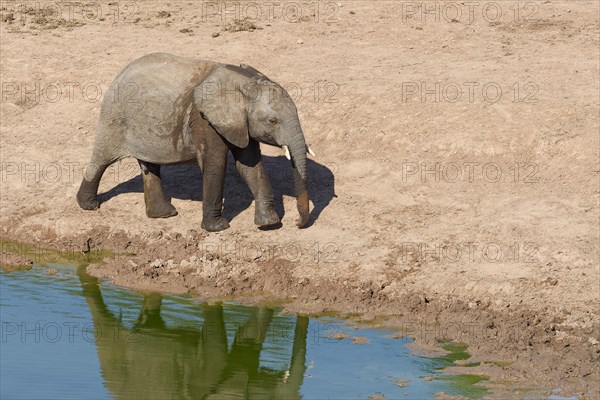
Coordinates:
<point>297,148</point>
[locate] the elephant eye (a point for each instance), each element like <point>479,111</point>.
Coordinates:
<point>272,120</point>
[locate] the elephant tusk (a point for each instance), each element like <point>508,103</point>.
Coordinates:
<point>310,151</point>
<point>287,152</point>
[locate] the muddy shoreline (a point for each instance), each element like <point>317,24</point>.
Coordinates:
<point>522,349</point>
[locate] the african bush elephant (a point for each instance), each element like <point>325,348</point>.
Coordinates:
<point>181,109</point>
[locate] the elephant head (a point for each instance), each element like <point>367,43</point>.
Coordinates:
<point>241,103</point>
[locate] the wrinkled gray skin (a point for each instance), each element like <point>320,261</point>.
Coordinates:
<point>171,109</point>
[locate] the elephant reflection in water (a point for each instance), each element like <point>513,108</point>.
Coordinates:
<point>152,361</point>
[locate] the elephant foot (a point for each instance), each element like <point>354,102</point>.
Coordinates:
<point>86,196</point>
<point>214,224</point>
<point>265,216</point>
<point>162,210</point>
<point>88,204</point>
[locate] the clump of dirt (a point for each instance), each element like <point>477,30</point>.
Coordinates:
<point>45,23</point>
<point>241,25</point>
<point>8,18</point>
<point>533,25</point>
<point>26,103</point>
<point>338,336</point>
<point>359,340</point>
<point>40,19</point>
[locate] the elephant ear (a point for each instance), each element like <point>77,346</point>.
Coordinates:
<point>221,102</point>
<point>254,71</point>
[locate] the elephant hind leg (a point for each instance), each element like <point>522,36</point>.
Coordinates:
<point>88,191</point>
<point>107,149</point>
<point>157,205</point>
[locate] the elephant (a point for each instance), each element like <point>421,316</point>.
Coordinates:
<point>152,360</point>
<point>183,110</point>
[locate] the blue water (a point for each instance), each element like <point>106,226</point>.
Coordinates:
<point>70,336</point>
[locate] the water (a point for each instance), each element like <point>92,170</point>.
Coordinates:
<point>70,336</point>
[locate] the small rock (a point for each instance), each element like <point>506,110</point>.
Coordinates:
<point>51,271</point>
<point>215,34</point>
<point>338,336</point>
<point>427,378</point>
<point>359,340</point>
<point>551,281</point>
<point>299,41</point>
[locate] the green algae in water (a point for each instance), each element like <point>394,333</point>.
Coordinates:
<point>457,352</point>
<point>459,384</point>
<point>42,255</point>
<point>465,385</point>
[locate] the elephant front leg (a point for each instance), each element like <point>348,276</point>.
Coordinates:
<point>249,164</point>
<point>213,164</point>
<point>157,205</point>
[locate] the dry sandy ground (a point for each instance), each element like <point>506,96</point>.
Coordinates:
<point>455,189</point>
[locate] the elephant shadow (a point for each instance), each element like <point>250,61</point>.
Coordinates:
<point>184,182</point>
